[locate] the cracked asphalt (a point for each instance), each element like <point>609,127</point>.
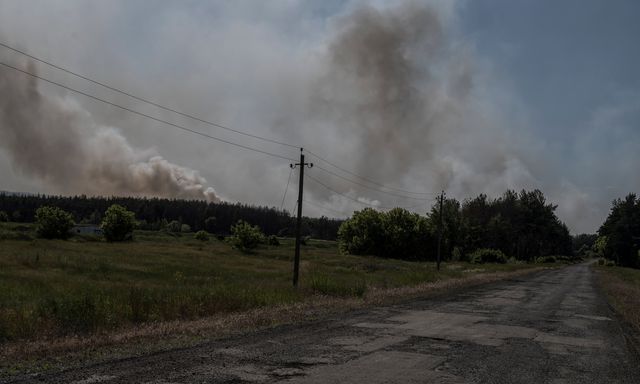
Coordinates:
<point>549,327</point>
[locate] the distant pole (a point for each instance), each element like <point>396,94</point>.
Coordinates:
<point>440,224</point>
<point>296,259</point>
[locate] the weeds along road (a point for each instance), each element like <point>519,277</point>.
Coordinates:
<point>548,327</point>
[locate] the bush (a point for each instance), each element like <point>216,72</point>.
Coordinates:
<point>53,223</point>
<point>396,234</point>
<point>185,228</point>
<point>118,223</point>
<point>486,255</point>
<point>246,237</point>
<point>610,263</point>
<point>546,259</point>
<point>601,261</point>
<point>202,236</point>
<point>3,217</point>
<point>273,240</point>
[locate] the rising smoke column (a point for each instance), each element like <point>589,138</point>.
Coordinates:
<point>55,140</point>
<point>405,95</point>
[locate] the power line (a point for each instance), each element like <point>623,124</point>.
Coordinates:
<point>347,196</point>
<point>371,188</point>
<point>325,208</point>
<point>146,100</point>
<point>287,188</point>
<point>145,115</point>
<point>201,120</point>
<point>364,178</point>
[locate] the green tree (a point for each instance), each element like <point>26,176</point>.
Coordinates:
<point>53,223</point>
<point>622,231</point>
<point>118,223</point>
<point>202,236</point>
<point>362,234</point>
<point>395,234</point>
<point>210,224</point>
<point>245,236</point>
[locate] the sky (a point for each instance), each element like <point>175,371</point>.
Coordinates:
<point>417,96</point>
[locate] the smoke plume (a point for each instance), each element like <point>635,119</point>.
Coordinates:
<point>404,97</point>
<point>55,140</point>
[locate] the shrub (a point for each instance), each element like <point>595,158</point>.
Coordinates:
<point>486,255</point>
<point>118,223</point>
<point>3,217</point>
<point>53,223</point>
<point>601,261</point>
<point>610,263</point>
<point>185,228</point>
<point>273,240</point>
<point>246,237</point>
<point>202,236</point>
<point>546,259</point>
<point>395,234</point>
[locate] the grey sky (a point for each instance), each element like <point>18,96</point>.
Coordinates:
<point>552,100</point>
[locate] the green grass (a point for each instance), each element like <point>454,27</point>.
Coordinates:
<point>84,285</point>
<point>622,287</point>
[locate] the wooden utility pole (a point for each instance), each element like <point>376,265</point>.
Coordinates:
<point>296,259</point>
<point>440,225</point>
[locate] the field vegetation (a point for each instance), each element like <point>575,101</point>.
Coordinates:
<point>85,285</point>
<point>622,287</point>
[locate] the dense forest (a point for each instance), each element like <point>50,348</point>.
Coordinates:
<point>619,236</point>
<point>521,225</point>
<point>154,213</point>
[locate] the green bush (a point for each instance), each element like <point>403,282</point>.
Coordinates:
<point>396,234</point>
<point>273,240</point>
<point>53,223</point>
<point>601,261</point>
<point>185,228</point>
<point>3,217</point>
<point>246,237</point>
<point>486,255</point>
<point>202,236</point>
<point>118,223</point>
<point>546,259</point>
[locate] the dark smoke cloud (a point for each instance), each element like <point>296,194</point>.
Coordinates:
<point>399,88</point>
<point>55,140</point>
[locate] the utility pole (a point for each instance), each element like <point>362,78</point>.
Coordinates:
<point>440,224</point>
<point>296,259</point>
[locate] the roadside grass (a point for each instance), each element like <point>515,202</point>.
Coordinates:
<point>622,287</point>
<point>85,286</point>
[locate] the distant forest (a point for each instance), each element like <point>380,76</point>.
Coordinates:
<point>153,213</point>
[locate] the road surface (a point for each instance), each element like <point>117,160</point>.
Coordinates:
<point>548,327</point>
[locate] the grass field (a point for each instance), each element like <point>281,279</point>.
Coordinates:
<point>51,288</point>
<point>622,286</point>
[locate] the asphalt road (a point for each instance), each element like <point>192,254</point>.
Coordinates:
<point>549,327</point>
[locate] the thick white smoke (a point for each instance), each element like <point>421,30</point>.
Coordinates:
<point>55,140</point>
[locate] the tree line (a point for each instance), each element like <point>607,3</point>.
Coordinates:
<point>157,213</point>
<point>619,236</point>
<point>519,225</point>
